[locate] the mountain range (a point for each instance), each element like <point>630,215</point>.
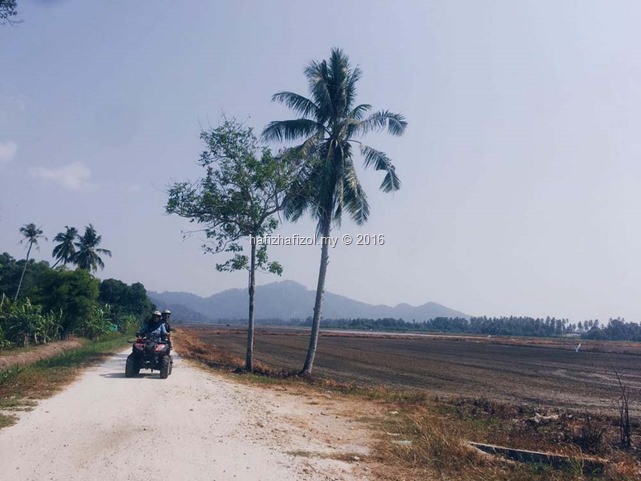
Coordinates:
<point>284,301</point>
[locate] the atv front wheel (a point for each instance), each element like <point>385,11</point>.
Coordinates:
<point>165,366</point>
<point>130,366</point>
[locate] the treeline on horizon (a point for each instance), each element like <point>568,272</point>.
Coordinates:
<point>615,330</point>
<point>55,303</point>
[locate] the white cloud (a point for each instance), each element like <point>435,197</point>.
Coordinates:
<point>74,176</point>
<point>8,151</point>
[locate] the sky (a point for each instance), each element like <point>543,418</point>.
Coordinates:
<point>520,166</point>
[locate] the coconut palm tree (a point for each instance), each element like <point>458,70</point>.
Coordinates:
<point>66,250</point>
<point>31,235</point>
<point>330,125</point>
<point>87,254</point>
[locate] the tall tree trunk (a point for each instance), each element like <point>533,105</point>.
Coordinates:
<point>23,271</point>
<point>250,326</point>
<point>320,291</point>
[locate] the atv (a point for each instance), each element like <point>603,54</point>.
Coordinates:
<point>147,353</point>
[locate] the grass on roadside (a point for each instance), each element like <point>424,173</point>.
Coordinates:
<point>6,420</point>
<point>20,386</point>
<point>423,437</point>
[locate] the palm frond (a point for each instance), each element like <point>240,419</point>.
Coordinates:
<point>350,88</point>
<point>318,80</point>
<point>354,197</point>
<point>295,206</point>
<point>288,130</point>
<point>381,161</point>
<point>358,111</point>
<point>308,147</point>
<point>299,104</point>
<point>395,124</point>
<point>341,82</point>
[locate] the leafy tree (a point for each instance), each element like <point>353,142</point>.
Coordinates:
<point>87,256</point>
<point>330,123</point>
<point>11,271</point>
<point>31,235</point>
<point>65,251</point>
<point>74,293</point>
<point>125,300</point>
<point>138,302</point>
<point>8,10</point>
<point>241,192</point>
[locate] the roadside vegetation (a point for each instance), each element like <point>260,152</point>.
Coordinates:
<point>40,304</point>
<point>422,436</point>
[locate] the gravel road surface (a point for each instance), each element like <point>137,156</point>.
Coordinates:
<point>193,426</point>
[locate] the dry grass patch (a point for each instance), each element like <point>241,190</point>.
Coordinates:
<point>429,440</point>
<point>6,420</point>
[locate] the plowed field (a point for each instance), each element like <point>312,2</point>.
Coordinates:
<point>534,371</point>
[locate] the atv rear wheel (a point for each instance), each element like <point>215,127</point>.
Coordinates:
<point>130,366</point>
<point>137,365</point>
<point>165,366</point>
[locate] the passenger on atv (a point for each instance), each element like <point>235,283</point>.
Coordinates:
<point>155,329</point>
<point>165,320</point>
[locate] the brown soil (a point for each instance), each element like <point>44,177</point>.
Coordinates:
<point>526,371</point>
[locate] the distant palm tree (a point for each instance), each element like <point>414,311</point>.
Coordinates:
<point>329,123</point>
<point>86,256</point>
<point>31,234</point>
<point>66,250</point>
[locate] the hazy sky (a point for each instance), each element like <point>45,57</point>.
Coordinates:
<point>521,164</point>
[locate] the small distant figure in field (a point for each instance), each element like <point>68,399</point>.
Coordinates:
<point>577,348</point>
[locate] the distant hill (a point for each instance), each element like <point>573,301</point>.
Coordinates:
<point>287,300</point>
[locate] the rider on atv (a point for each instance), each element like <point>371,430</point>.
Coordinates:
<point>155,328</point>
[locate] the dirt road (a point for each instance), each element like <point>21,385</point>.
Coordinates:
<point>193,426</point>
